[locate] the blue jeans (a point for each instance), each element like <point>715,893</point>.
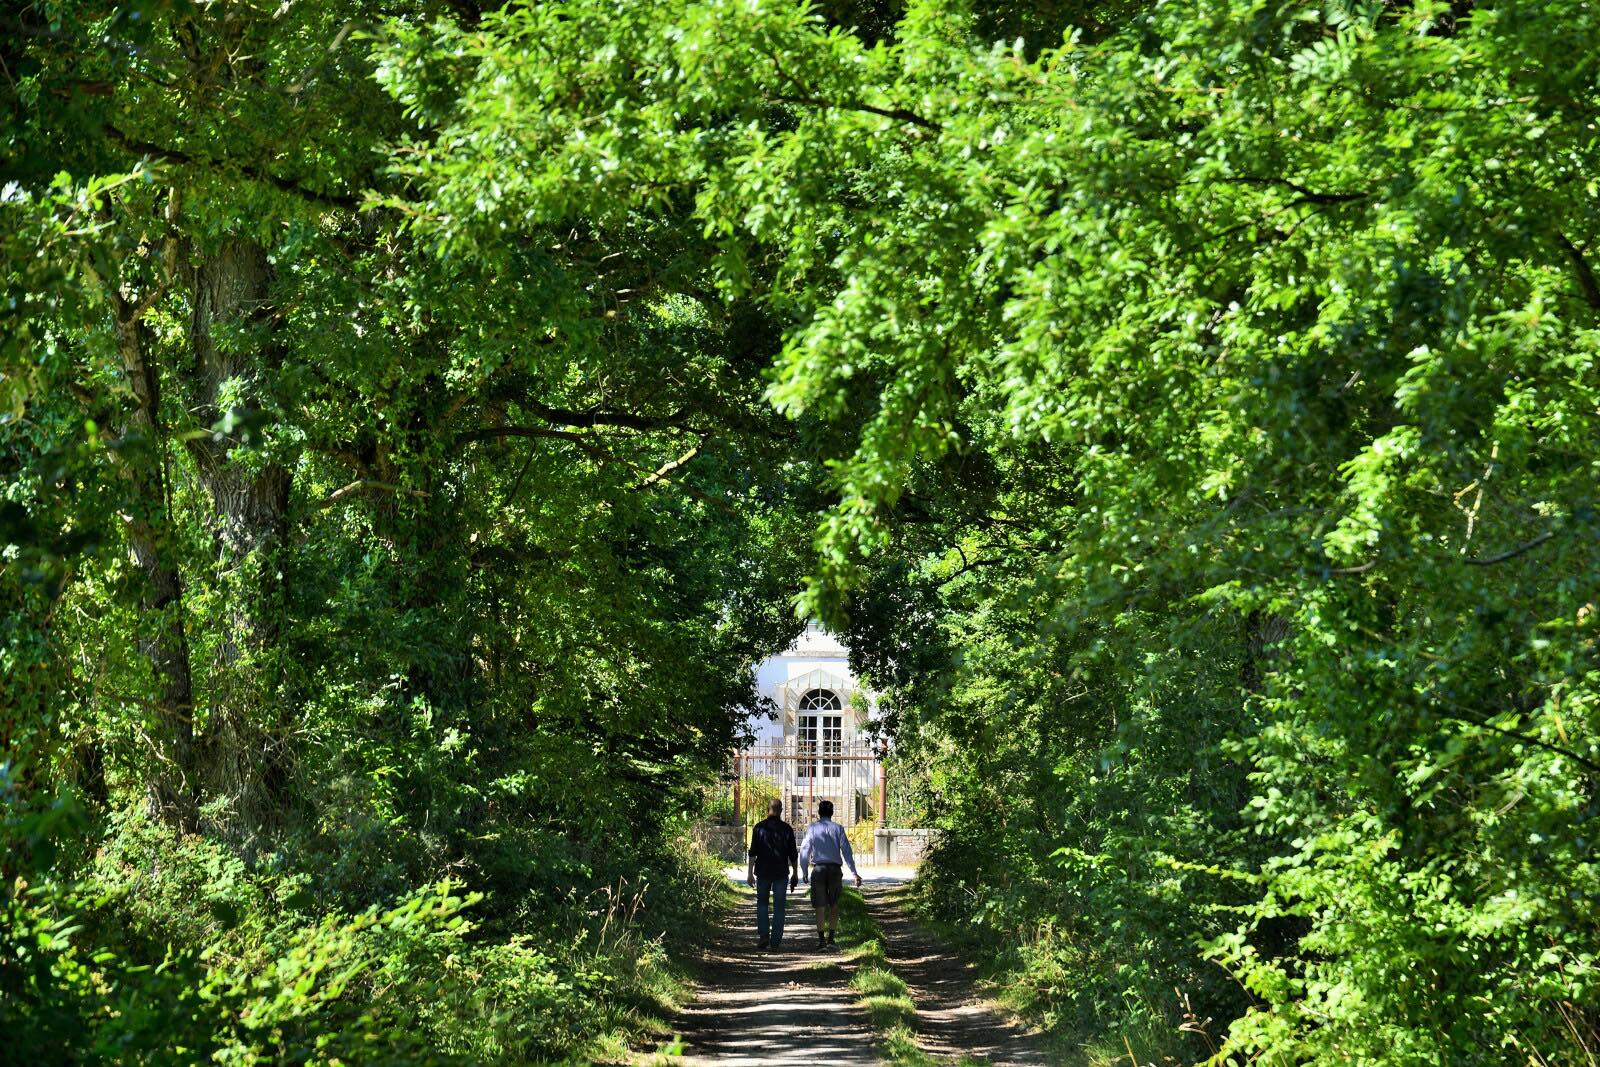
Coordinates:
<point>779,889</point>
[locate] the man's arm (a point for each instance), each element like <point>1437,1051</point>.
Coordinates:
<point>849,856</point>
<point>750,860</point>
<point>805,855</point>
<point>794,861</point>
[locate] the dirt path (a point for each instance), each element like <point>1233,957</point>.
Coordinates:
<point>783,1008</point>
<point>952,1021</point>
<point>795,1007</point>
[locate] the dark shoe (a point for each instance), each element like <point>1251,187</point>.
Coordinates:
<point>762,943</point>
<point>822,942</point>
<point>830,938</point>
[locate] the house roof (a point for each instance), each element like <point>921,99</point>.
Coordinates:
<point>816,642</point>
<point>789,693</point>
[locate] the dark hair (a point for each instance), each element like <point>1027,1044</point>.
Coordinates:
<point>775,802</point>
<point>825,809</point>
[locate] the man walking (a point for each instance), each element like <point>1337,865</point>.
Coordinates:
<point>826,850</point>
<point>772,857</point>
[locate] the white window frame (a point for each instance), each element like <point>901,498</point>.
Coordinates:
<point>820,730</point>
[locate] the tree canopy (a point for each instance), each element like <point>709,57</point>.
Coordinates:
<point>419,421</point>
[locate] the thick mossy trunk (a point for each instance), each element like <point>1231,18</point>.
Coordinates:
<point>235,357</point>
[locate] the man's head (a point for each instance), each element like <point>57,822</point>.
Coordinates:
<point>775,809</point>
<point>825,809</point>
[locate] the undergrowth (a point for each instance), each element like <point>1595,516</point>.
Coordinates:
<point>255,962</point>
<point>1030,976</point>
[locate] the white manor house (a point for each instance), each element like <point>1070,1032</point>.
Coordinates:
<point>817,748</point>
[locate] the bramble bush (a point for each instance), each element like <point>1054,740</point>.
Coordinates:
<point>251,971</point>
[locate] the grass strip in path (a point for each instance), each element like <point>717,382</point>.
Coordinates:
<point>884,995</point>
<point>921,995</point>
<point>790,1008</point>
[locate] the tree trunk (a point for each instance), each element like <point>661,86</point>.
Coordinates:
<point>1262,634</point>
<point>89,773</point>
<point>235,353</point>
<point>171,790</point>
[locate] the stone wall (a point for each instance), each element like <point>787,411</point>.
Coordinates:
<point>726,843</point>
<point>901,848</point>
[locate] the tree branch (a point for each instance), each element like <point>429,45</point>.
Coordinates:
<point>516,484</point>
<point>490,433</point>
<point>361,485</point>
<point>1580,266</point>
<point>624,419</point>
<point>1460,715</point>
<point>968,566</point>
<point>898,113</point>
<point>173,155</point>
<point>1309,196</point>
<point>805,99</point>
<point>1487,561</point>
<point>667,468</point>
<point>584,442</point>
<point>1512,553</point>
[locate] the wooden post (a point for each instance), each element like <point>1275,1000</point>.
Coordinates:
<point>883,793</point>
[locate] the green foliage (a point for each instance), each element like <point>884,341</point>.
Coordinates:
<point>755,793</point>
<point>861,834</point>
<point>253,970</point>
<point>1216,483</point>
<point>385,604</point>
<point>393,494</point>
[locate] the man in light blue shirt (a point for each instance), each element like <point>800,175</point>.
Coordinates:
<point>827,849</point>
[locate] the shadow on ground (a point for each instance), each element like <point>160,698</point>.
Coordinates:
<point>793,1006</point>
<point>952,1020</point>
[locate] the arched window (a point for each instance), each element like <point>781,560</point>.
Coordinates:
<point>820,700</point>
<point>821,727</point>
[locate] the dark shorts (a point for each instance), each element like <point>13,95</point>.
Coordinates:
<point>827,885</point>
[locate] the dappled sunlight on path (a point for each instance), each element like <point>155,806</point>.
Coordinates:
<point>952,1020</point>
<point>793,1006</point>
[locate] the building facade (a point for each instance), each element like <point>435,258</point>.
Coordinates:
<point>812,744</point>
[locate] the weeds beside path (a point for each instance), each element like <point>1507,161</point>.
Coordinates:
<point>950,1022</point>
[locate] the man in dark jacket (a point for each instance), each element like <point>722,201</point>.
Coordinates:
<point>774,868</point>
